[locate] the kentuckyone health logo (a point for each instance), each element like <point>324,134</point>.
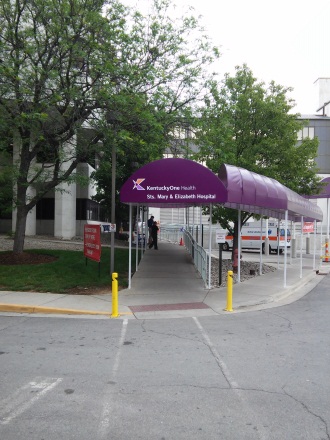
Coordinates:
<point>137,184</point>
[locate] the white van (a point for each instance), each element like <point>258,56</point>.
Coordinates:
<point>250,237</point>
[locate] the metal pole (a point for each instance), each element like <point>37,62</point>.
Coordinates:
<point>193,222</point>
<point>220,264</point>
<point>130,247</point>
<point>137,239</point>
<point>327,235</point>
<point>113,206</point>
<point>147,229</point>
<point>210,246</point>
<point>285,247</point>
<point>321,247</point>
<point>239,248</point>
<point>200,227</point>
<point>202,232</point>
<point>278,243</point>
<point>291,228</point>
<point>145,219</point>
<point>301,244</point>
<point>260,251</point>
<point>314,247</point>
<point>328,219</point>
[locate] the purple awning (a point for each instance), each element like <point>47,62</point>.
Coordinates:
<point>247,190</point>
<point>262,195</point>
<point>173,183</point>
<point>181,183</point>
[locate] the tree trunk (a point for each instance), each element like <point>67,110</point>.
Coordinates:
<point>237,231</point>
<point>20,230</point>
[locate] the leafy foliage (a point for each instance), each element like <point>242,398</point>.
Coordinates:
<point>67,64</point>
<point>248,124</point>
<point>166,78</point>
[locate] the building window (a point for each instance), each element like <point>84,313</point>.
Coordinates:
<point>306,132</point>
<point>87,210</point>
<point>45,209</point>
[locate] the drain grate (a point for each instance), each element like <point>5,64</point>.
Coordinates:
<point>167,307</point>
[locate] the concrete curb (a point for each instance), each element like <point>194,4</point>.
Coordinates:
<point>285,296</point>
<point>292,294</point>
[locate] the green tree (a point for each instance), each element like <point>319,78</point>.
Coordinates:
<point>66,63</point>
<point>168,76</point>
<point>248,124</point>
<point>58,63</point>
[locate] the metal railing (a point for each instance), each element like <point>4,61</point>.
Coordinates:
<point>179,234</point>
<point>171,233</point>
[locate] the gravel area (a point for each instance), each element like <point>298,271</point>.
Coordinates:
<point>248,269</point>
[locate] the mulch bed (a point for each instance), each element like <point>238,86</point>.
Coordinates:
<point>11,259</point>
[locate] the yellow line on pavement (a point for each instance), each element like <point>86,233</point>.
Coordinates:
<point>20,308</point>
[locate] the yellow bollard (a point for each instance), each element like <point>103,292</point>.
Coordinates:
<point>229,307</point>
<point>115,313</point>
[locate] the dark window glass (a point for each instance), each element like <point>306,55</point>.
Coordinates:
<point>87,210</point>
<point>45,209</point>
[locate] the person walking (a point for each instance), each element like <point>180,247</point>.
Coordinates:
<point>154,234</point>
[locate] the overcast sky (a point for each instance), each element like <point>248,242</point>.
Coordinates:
<point>287,41</point>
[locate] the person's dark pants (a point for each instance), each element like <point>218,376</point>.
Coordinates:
<point>154,241</point>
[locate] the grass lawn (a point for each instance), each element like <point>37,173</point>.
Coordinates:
<point>69,271</point>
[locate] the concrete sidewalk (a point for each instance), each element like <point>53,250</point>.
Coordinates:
<point>167,285</point>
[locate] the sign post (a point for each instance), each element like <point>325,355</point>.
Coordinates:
<point>220,236</point>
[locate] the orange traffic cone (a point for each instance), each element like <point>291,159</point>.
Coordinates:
<point>326,260</point>
<point>181,242</point>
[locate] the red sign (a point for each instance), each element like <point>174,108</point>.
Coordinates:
<point>308,227</point>
<point>92,242</point>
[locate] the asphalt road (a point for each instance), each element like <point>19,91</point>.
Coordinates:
<point>256,375</point>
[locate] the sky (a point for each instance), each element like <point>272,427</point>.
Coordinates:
<point>287,41</point>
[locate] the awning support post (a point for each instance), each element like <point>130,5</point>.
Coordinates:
<point>130,247</point>
<point>239,248</point>
<point>137,240</point>
<point>301,245</point>
<point>260,250</point>
<point>278,242</point>
<point>314,247</point>
<point>285,247</point>
<point>210,248</point>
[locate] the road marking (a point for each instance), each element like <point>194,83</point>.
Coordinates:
<point>261,432</point>
<point>21,400</point>
<point>220,362</point>
<point>105,418</point>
